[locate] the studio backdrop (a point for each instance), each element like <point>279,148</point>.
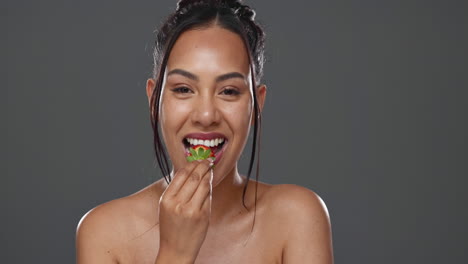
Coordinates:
<point>366,106</point>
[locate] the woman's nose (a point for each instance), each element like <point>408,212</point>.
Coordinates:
<point>205,112</point>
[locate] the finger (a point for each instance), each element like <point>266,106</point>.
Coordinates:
<point>207,203</point>
<point>188,189</point>
<point>203,191</point>
<point>179,179</point>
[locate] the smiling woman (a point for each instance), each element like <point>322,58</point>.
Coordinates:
<point>204,96</point>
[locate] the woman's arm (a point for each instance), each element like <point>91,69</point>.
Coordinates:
<point>309,238</point>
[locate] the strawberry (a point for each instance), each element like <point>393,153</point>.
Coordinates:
<point>200,152</point>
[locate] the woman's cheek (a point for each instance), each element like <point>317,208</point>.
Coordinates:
<point>174,111</point>
<point>241,112</point>
<point>241,107</point>
<point>173,116</point>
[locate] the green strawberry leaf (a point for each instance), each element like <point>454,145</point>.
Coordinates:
<point>190,158</point>
<point>200,152</point>
<point>207,154</point>
<point>193,152</point>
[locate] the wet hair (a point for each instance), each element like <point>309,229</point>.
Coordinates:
<point>192,14</point>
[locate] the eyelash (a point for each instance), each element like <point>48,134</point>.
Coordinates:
<point>234,92</point>
<point>183,90</point>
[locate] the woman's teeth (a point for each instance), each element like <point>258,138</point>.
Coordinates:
<point>207,143</point>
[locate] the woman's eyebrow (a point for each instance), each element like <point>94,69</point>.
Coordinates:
<point>230,75</point>
<point>194,77</point>
<point>183,73</point>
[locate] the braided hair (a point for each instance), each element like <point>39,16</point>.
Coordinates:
<point>232,15</point>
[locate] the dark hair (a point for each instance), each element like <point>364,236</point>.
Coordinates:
<point>191,14</point>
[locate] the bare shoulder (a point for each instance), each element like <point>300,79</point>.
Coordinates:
<point>99,232</point>
<point>305,223</point>
<point>103,229</point>
<point>290,200</point>
<point>294,199</point>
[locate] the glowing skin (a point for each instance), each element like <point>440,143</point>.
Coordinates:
<point>291,222</point>
<point>194,99</point>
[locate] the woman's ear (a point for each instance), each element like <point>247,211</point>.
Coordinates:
<point>261,94</point>
<point>150,83</point>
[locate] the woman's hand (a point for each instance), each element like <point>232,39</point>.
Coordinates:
<point>184,213</point>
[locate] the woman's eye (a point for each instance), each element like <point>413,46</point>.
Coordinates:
<point>181,89</point>
<point>230,91</point>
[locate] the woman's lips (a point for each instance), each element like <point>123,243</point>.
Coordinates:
<point>218,154</point>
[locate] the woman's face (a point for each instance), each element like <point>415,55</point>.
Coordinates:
<point>207,98</point>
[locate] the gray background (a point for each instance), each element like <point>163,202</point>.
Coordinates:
<point>370,96</point>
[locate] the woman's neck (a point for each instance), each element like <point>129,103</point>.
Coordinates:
<point>227,197</point>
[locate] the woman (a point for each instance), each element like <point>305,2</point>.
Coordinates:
<point>206,93</point>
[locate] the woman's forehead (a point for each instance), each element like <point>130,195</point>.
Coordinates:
<point>212,50</point>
